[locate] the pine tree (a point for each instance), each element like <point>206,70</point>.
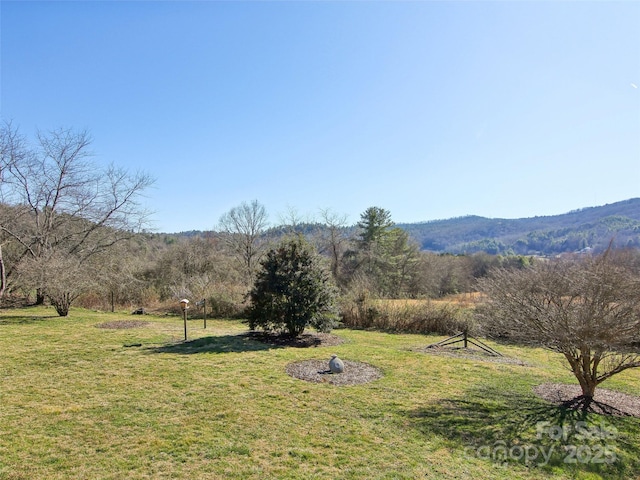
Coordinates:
<point>292,291</point>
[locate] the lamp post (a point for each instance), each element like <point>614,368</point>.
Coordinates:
<point>184,305</point>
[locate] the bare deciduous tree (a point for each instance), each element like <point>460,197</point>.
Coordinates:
<point>63,277</point>
<point>586,308</point>
<point>335,240</point>
<point>65,204</point>
<point>291,219</point>
<point>243,226</point>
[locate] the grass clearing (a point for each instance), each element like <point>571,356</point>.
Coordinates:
<point>77,401</point>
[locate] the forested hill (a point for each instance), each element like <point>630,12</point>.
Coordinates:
<point>587,228</point>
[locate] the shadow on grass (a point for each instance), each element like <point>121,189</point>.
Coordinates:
<point>217,344</point>
<point>505,427</point>
<point>24,319</point>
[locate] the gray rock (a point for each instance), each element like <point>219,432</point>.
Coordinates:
<point>336,365</point>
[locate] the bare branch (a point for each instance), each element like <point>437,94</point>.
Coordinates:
<point>73,208</point>
<point>586,308</point>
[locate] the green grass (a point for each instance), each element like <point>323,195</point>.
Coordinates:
<point>80,402</point>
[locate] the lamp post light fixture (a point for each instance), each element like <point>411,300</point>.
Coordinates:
<point>184,305</point>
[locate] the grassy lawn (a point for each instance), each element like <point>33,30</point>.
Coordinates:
<point>82,402</point>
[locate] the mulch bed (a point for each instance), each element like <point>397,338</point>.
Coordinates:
<point>606,402</point>
<point>305,340</point>
<point>470,354</point>
<point>317,371</point>
<point>123,324</point>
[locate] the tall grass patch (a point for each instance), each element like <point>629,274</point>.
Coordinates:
<point>407,316</point>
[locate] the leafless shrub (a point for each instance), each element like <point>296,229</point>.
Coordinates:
<point>586,308</point>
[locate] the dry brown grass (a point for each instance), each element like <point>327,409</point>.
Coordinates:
<point>462,300</point>
<point>445,316</point>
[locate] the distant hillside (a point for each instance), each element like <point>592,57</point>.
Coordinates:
<point>587,228</point>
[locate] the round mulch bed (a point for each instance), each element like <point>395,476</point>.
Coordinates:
<point>317,371</point>
<point>305,340</point>
<point>471,354</point>
<point>606,402</point>
<point>121,324</point>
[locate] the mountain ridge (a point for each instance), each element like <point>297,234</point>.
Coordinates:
<point>585,228</point>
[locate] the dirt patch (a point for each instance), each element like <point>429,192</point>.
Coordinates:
<point>123,324</point>
<point>305,340</point>
<point>606,402</point>
<point>317,371</point>
<point>471,354</point>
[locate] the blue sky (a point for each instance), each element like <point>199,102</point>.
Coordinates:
<point>430,109</point>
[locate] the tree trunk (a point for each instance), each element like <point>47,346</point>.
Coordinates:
<point>588,392</point>
<point>3,275</point>
<point>40,296</point>
<point>588,388</point>
<point>62,303</point>
<point>588,382</point>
